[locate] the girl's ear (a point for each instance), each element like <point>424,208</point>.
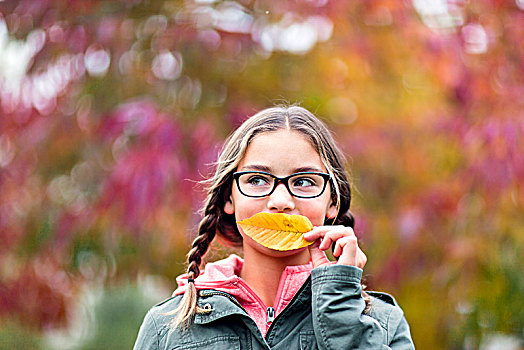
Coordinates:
<point>331,212</point>
<point>229,207</point>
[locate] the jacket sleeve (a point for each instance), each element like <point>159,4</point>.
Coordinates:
<point>147,335</point>
<point>338,319</point>
<point>399,334</point>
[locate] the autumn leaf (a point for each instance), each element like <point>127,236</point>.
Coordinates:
<point>277,231</point>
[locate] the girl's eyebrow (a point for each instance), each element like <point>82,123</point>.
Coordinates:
<point>308,168</point>
<point>257,168</point>
<point>268,169</point>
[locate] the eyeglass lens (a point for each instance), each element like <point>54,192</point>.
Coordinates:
<point>260,184</point>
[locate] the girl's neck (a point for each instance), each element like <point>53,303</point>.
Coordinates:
<point>262,272</point>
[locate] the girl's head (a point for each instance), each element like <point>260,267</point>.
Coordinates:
<point>217,214</point>
<point>292,118</point>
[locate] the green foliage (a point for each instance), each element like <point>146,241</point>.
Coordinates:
<point>106,318</point>
<point>16,335</point>
<point>118,314</point>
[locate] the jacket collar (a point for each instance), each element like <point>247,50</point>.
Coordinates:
<point>221,304</point>
<point>218,304</point>
<point>223,275</point>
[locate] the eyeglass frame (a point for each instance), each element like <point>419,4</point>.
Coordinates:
<point>279,180</point>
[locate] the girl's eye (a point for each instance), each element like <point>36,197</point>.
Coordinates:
<point>304,182</point>
<point>257,180</point>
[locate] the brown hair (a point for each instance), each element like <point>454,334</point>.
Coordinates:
<point>216,221</point>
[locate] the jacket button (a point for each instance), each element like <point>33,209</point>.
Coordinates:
<point>207,307</point>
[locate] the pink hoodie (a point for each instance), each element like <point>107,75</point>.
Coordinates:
<point>223,275</point>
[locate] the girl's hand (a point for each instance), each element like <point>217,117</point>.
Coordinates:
<point>346,246</point>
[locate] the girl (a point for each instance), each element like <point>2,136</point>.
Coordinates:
<point>273,299</point>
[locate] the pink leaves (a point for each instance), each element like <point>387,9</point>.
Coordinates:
<point>139,181</point>
<point>132,118</point>
<point>148,161</point>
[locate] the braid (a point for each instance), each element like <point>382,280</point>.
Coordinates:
<point>188,306</point>
<point>201,244</point>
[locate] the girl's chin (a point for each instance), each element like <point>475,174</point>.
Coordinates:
<point>248,241</point>
<point>274,252</point>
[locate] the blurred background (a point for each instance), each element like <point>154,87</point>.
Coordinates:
<point>112,111</point>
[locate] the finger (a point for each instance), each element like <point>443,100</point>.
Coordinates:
<point>346,248</point>
<point>361,258</point>
<point>337,249</point>
<point>335,235</point>
<point>316,233</point>
<point>318,257</point>
<point>350,253</point>
<point>319,232</point>
<point>329,239</point>
<point>333,232</point>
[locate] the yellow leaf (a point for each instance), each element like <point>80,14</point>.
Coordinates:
<point>277,231</point>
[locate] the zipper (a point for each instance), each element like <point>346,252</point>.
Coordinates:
<point>270,315</point>
<point>286,309</point>
<point>206,293</point>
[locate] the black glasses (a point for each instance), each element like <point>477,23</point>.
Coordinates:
<point>260,184</point>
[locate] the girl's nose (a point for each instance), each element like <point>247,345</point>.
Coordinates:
<point>281,199</point>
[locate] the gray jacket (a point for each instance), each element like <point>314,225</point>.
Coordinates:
<point>326,313</point>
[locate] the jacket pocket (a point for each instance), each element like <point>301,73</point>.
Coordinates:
<point>223,342</point>
<point>307,340</point>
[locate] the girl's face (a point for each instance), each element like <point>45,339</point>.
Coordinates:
<point>281,153</point>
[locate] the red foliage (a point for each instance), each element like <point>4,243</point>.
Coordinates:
<point>38,295</point>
